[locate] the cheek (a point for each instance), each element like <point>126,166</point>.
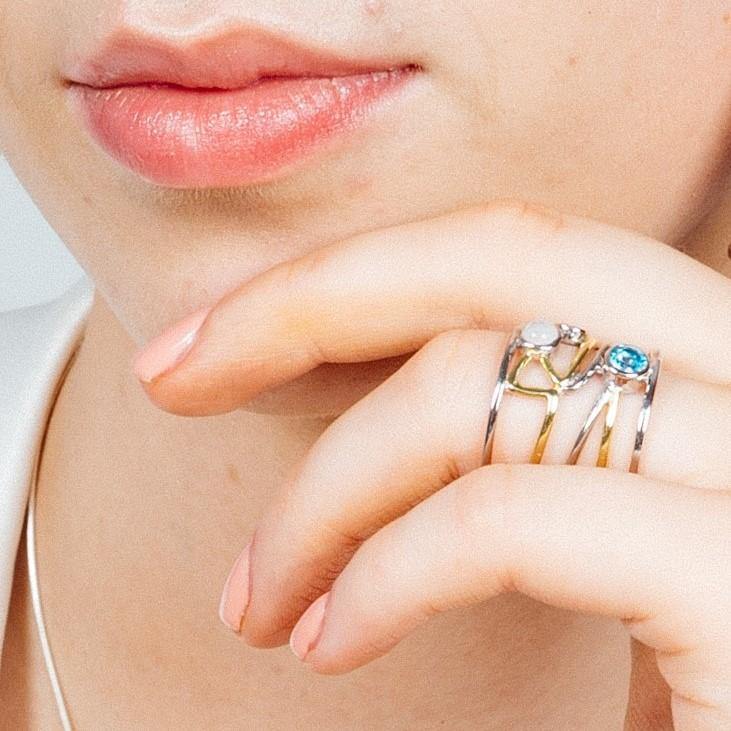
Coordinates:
<point>591,110</point>
<point>30,86</point>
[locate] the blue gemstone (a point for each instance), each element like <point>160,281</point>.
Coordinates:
<point>628,360</point>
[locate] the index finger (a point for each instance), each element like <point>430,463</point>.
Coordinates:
<point>387,292</point>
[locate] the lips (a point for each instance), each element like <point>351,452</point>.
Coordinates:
<point>234,109</point>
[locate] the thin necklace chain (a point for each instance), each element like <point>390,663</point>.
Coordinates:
<point>35,596</point>
<point>30,546</point>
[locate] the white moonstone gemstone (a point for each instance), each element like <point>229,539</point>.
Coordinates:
<point>540,333</point>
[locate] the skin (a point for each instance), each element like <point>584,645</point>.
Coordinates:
<point>571,121</point>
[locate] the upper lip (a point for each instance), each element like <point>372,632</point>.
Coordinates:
<point>231,59</point>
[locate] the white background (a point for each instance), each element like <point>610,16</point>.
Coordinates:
<point>34,265</point>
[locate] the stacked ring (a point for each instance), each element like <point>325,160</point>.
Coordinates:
<point>535,343</point>
<point>624,368</point>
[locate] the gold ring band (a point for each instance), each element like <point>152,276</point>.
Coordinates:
<point>535,343</point>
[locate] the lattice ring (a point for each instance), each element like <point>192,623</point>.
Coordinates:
<point>536,342</point>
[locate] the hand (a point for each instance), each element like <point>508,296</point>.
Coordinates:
<point>391,501</point>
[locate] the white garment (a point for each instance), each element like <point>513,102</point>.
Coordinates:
<point>35,346</point>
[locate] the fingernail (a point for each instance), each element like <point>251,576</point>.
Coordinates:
<point>307,631</point>
<point>170,347</point>
<point>235,596</point>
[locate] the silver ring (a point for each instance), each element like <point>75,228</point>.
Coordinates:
<point>536,342</point>
<point>626,368</point>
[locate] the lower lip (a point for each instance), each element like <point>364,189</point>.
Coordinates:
<point>188,137</point>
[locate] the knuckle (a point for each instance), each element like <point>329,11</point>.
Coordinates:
<point>438,365</point>
<point>332,531</point>
<point>528,212</point>
<point>443,356</point>
<point>485,522</point>
<point>302,269</point>
<point>299,313</point>
<point>444,382</point>
<point>453,377</point>
<point>447,361</point>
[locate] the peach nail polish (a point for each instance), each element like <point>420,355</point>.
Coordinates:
<point>170,347</point>
<point>306,632</point>
<point>235,596</point>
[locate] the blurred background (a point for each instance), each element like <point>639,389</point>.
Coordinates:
<point>34,265</point>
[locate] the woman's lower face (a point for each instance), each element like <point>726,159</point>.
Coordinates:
<point>614,112</point>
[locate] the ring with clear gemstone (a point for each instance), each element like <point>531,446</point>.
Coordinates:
<point>625,368</point>
<point>540,334</point>
<point>535,343</point>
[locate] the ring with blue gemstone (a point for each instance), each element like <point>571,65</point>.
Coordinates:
<point>627,360</point>
<point>625,369</point>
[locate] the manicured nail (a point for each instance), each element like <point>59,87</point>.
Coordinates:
<point>307,631</point>
<point>170,347</point>
<point>235,596</point>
